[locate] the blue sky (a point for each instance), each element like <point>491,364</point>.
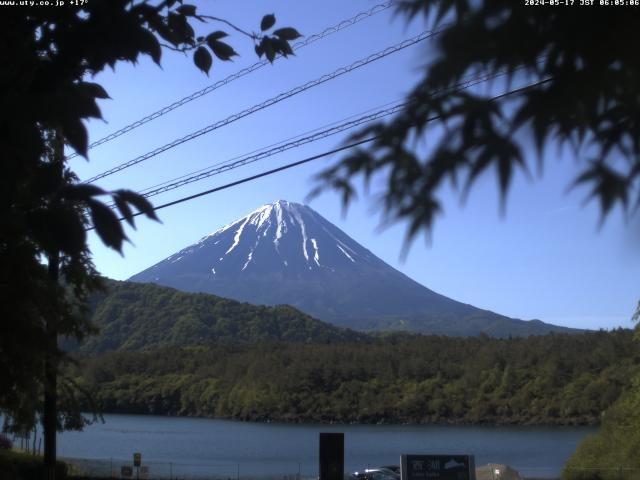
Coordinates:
<point>544,258</point>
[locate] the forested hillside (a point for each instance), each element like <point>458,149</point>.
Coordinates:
<point>134,316</point>
<point>555,379</point>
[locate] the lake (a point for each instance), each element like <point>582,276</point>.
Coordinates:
<point>195,447</point>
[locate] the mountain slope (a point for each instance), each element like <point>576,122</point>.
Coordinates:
<point>286,253</point>
<point>134,316</point>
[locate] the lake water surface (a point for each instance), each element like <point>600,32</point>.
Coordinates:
<point>194,447</point>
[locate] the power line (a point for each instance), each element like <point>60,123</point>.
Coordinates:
<point>272,101</point>
<point>255,177</point>
<point>315,157</point>
<point>266,147</point>
<point>273,151</point>
<point>298,141</point>
<point>241,73</point>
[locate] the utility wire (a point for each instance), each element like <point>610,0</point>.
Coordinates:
<point>266,147</point>
<point>255,177</point>
<point>241,73</point>
<point>273,151</point>
<point>272,101</point>
<point>315,157</point>
<point>295,142</point>
<point>467,82</point>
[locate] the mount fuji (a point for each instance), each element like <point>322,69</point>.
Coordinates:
<point>286,253</point>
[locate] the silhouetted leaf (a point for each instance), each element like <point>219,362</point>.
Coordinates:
<point>107,225</point>
<point>95,90</point>
<point>282,47</point>
<point>142,204</point>
<point>188,10</point>
<point>609,186</point>
<point>181,27</point>
<point>267,22</point>
<point>202,59</point>
<point>149,44</point>
<point>287,33</point>
<point>75,134</point>
<point>164,31</point>
<point>81,191</point>
<point>217,35</point>
<point>268,49</point>
<point>222,50</point>
<point>124,209</point>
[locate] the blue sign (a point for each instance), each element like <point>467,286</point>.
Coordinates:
<point>437,467</point>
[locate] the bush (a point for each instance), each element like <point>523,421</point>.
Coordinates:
<point>611,454</point>
<point>5,443</point>
<point>22,466</point>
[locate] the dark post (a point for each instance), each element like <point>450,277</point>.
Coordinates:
<point>331,456</point>
<point>51,382</point>
<point>49,413</point>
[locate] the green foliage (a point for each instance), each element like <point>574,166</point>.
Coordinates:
<point>611,454</point>
<point>553,379</point>
<point>584,95</point>
<point>133,316</point>
<point>47,56</point>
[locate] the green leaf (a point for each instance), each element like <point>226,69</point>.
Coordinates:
<point>287,33</point>
<point>107,225</point>
<point>222,50</point>
<point>202,59</point>
<point>267,22</point>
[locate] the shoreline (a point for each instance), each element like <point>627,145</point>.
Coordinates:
<point>388,422</point>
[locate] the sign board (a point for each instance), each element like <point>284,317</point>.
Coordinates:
<point>137,459</point>
<point>144,471</point>
<point>437,467</point>
<point>126,471</point>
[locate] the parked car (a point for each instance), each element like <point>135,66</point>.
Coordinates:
<point>375,474</point>
<point>394,468</point>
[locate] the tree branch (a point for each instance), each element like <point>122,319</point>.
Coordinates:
<point>177,49</point>
<point>252,36</point>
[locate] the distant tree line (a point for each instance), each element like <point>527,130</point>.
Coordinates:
<point>553,379</point>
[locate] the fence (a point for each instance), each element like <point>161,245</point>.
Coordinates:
<point>112,468</point>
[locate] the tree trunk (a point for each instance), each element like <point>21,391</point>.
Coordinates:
<point>51,382</point>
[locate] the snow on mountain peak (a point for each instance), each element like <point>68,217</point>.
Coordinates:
<point>293,233</point>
